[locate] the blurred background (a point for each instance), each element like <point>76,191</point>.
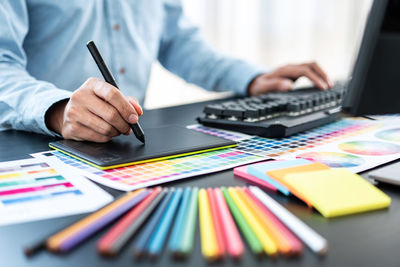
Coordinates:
<point>271,33</point>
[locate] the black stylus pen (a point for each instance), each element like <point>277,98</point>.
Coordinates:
<point>137,130</point>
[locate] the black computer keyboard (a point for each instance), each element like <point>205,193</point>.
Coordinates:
<point>276,114</point>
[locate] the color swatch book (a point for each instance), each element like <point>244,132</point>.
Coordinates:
<point>153,173</point>
<point>353,143</point>
<point>34,189</point>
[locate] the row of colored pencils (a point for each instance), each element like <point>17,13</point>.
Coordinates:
<point>151,215</point>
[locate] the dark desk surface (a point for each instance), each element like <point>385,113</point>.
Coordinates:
<point>369,239</point>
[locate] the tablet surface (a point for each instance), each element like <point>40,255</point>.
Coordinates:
<point>161,143</point>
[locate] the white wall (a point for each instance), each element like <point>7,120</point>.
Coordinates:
<point>270,33</point>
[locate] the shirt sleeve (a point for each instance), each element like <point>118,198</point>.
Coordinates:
<point>184,52</point>
<point>24,100</point>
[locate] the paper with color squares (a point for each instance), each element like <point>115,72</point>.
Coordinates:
<point>34,189</point>
<point>338,192</point>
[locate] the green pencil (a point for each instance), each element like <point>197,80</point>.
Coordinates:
<point>251,238</point>
<point>190,224</point>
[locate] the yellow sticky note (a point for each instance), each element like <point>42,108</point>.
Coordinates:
<point>280,176</point>
<point>338,192</point>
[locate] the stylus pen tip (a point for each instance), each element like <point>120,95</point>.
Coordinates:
<point>141,138</point>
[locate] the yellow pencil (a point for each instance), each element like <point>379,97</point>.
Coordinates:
<point>209,246</point>
<point>284,246</point>
<point>265,239</point>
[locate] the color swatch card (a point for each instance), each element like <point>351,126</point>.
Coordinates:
<point>34,189</point>
<point>357,153</point>
<point>337,192</point>
<point>147,174</point>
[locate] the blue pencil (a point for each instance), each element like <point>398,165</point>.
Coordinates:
<point>139,247</point>
<point>177,230</point>
<point>159,236</point>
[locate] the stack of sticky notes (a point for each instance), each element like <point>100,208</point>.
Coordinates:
<point>333,192</point>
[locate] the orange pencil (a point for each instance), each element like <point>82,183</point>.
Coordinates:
<point>284,246</point>
<point>233,242</point>
<point>296,245</point>
<point>217,223</point>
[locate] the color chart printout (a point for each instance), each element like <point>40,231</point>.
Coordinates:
<point>152,173</point>
<point>34,189</point>
<point>358,152</point>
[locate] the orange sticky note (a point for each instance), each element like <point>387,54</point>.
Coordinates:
<point>279,175</point>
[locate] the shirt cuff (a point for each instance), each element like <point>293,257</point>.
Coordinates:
<point>48,100</point>
<point>240,76</point>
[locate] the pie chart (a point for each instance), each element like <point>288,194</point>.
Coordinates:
<point>370,148</point>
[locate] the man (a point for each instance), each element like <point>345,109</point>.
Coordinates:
<point>45,67</point>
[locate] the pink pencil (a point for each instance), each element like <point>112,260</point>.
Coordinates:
<point>233,242</point>
<point>242,173</point>
<point>295,243</point>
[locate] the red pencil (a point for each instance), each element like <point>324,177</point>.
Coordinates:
<point>295,244</point>
<point>105,244</point>
<point>233,242</point>
<point>217,223</point>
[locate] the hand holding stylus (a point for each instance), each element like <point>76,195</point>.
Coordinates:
<point>97,112</point>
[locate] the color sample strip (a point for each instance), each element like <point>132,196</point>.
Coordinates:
<point>159,236</point>
<point>245,228</point>
<point>216,218</point>
<point>312,239</point>
<point>243,173</point>
<point>140,246</point>
<point>296,247</point>
<point>78,232</point>
<point>263,236</point>
<point>113,241</point>
<point>34,189</point>
<point>230,233</point>
<point>39,197</point>
<point>31,181</point>
<point>209,246</point>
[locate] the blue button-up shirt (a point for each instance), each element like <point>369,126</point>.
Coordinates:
<point>43,54</point>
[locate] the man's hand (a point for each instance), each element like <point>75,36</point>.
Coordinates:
<point>282,78</point>
<point>96,112</point>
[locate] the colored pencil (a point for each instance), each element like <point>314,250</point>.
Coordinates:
<point>266,240</point>
<point>68,238</point>
<point>216,218</point>
<point>140,245</point>
<point>190,225</point>
<point>232,240</point>
<point>209,246</point>
<point>178,228</point>
<point>113,241</point>
<point>159,236</point>
<point>312,239</point>
<point>295,244</point>
<point>244,227</point>
<point>284,246</point>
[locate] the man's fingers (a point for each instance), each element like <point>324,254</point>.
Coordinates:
<point>97,124</point>
<point>108,113</point>
<point>307,72</point>
<point>315,67</point>
<point>273,84</point>
<point>79,132</point>
<point>114,97</point>
<point>135,103</point>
